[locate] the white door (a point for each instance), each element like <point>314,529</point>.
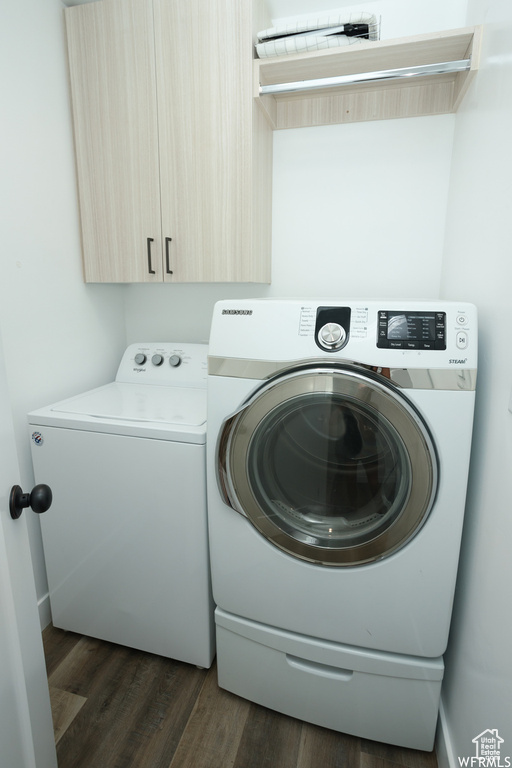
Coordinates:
<point>26,732</point>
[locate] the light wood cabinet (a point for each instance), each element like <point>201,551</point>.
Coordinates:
<point>173,156</point>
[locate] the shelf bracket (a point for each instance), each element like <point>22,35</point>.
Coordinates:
<point>462,65</point>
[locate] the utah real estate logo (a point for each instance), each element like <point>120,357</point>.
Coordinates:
<point>488,752</point>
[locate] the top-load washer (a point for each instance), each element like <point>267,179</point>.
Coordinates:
<point>339,436</point>
<point>125,540</point>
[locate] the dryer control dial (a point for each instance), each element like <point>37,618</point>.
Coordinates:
<point>140,358</point>
<point>157,359</point>
<point>175,361</point>
<point>332,336</point>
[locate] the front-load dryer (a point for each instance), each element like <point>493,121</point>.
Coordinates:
<point>126,541</point>
<point>339,436</point>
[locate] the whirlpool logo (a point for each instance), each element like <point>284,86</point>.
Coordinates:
<point>237,311</point>
<point>37,438</point>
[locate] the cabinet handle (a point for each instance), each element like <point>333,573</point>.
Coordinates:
<point>151,271</point>
<point>167,266</point>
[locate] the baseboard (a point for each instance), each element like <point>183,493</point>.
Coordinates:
<point>45,614</point>
<point>446,757</point>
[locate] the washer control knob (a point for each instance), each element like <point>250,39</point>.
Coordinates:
<point>332,336</point>
<point>157,359</point>
<point>140,359</point>
<point>175,360</point>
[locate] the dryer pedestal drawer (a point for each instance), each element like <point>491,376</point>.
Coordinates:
<point>387,697</point>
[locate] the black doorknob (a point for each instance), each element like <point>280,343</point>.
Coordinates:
<point>40,499</point>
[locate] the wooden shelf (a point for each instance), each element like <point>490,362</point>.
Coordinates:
<point>385,99</point>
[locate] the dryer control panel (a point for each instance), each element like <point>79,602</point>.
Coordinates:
<point>399,329</point>
<point>387,333</point>
<point>396,329</point>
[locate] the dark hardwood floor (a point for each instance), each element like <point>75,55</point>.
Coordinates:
<point>115,707</point>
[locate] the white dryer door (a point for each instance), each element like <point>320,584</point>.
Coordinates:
<point>332,465</point>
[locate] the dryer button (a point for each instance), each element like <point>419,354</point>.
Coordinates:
<point>331,336</point>
<point>462,340</point>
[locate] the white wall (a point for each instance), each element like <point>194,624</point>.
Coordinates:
<point>477,693</point>
<point>357,210</point>
<point>60,336</point>
<point>398,17</point>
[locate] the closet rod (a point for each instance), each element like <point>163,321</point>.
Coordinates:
<point>367,77</point>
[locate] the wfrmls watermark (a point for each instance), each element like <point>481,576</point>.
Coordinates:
<point>488,752</point>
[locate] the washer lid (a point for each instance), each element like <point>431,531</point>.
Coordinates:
<point>136,410</point>
<point>139,403</point>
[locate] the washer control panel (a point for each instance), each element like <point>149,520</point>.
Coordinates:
<point>168,364</point>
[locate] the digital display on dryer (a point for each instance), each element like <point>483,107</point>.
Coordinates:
<point>411,330</point>
<point>415,327</point>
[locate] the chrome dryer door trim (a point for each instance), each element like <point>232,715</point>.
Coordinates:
<point>279,521</point>
<point>449,379</point>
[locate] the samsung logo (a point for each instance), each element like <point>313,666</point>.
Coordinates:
<point>237,311</point>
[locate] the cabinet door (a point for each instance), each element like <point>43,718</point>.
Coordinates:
<point>112,69</point>
<point>214,166</point>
